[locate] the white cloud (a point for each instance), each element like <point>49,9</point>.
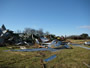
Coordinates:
<point>85,27</point>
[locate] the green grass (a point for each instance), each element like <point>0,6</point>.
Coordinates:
<point>71,58</point>
<point>78,41</point>
<point>66,58</point>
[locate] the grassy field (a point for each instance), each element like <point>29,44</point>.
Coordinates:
<point>66,58</point>
<point>78,41</point>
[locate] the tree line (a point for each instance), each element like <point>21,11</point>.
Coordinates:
<point>82,36</point>
<point>30,31</point>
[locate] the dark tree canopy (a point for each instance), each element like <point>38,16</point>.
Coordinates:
<point>84,36</point>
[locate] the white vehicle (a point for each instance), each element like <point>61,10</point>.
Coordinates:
<point>87,43</point>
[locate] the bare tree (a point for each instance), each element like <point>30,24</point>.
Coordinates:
<point>30,31</point>
<point>40,32</point>
<point>18,31</point>
<point>47,33</point>
<point>27,31</point>
<point>33,31</point>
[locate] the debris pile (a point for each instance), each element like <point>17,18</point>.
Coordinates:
<point>5,34</point>
<point>8,37</point>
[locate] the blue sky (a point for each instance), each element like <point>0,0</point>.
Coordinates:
<point>59,17</point>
